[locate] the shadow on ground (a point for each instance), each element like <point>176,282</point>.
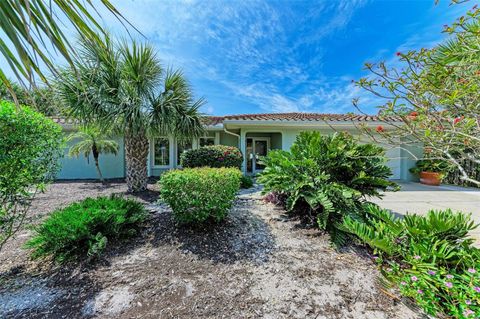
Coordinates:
<point>60,293</point>
<point>242,236</point>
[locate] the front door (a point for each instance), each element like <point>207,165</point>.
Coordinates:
<point>261,146</point>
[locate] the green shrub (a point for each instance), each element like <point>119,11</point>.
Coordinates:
<point>327,177</point>
<point>84,228</point>
<point>429,258</point>
<point>431,165</point>
<point>30,146</point>
<point>200,194</point>
<point>246,181</point>
<point>212,156</point>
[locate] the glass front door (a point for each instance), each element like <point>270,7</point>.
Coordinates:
<point>261,147</point>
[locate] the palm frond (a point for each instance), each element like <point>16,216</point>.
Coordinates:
<point>33,28</point>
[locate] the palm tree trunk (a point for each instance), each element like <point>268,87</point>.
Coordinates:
<point>95,157</point>
<point>136,156</point>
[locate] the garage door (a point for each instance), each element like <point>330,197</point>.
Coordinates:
<point>394,162</point>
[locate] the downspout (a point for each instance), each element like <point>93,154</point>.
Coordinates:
<point>234,134</point>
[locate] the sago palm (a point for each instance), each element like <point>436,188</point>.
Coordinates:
<point>90,140</point>
<point>123,87</point>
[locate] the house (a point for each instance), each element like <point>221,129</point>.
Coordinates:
<point>254,134</point>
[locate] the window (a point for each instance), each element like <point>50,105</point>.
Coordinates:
<point>206,141</point>
<point>182,147</point>
<point>161,151</point>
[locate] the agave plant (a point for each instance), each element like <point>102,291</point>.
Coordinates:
<point>122,88</point>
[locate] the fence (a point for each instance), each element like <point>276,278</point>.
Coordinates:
<point>470,167</point>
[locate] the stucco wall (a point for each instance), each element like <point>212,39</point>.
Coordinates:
<point>228,139</point>
<point>78,168</point>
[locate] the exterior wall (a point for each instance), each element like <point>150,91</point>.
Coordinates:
<point>410,153</point>
<point>228,139</point>
<point>78,168</point>
<point>288,136</point>
<point>173,158</point>
<point>401,158</point>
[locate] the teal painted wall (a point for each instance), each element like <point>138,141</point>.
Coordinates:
<point>228,139</point>
<point>410,153</point>
<point>78,168</point>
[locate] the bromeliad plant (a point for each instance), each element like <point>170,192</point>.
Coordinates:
<point>429,258</point>
<point>327,178</point>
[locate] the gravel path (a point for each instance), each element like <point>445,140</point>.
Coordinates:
<point>258,263</point>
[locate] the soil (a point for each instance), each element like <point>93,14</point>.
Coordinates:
<point>258,263</point>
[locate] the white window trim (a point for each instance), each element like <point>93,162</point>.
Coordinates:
<point>170,153</point>
<point>177,157</point>
<point>207,137</point>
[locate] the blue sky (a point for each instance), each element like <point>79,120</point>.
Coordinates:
<point>283,56</point>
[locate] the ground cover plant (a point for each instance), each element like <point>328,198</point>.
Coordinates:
<point>213,156</point>
<point>84,228</point>
<point>326,178</point>
<point>198,195</point>
<point>246,181</point>
<point>30,145</point>
<point>429,258</point>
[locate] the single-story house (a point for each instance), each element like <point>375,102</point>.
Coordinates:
<point>254,134</point>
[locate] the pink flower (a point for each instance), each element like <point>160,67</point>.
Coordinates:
<point>468,302</point>
<point>414,278</point>
<point>403,283</point>
<point>431,272</point>
<point>471,270</point>
<point>449,284</point>
<point>468,312</point>
<point>449,276</point>
<point>420,291</point>
<point>417,257</point>
<point>477,289</point>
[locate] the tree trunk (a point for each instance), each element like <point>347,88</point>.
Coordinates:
<point>97,165</point>
<point>136,156</point>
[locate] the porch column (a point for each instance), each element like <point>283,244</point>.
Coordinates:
<point>242,145</point>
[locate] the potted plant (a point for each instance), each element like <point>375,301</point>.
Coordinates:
<point>430,171</point>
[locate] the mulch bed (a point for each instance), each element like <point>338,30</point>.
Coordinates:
<point>258,263</point>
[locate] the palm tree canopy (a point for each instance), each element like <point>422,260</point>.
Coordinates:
<point>34,30</point>
<point>123,87</point>
<point>90,138</point>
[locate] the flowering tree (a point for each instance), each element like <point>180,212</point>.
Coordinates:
<point>435,95</point>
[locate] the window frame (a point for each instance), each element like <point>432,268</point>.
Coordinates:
<point>207,138</point>
<point>169,152</point>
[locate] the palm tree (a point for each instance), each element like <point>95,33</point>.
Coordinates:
<point>123,88</point>
<point>92,141</point>
<point>32,31</point>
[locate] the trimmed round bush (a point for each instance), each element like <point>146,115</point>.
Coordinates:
<point>212,156</point>
<point>197,195</point>
<point>84,228</point>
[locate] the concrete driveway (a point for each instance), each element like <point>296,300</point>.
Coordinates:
<point>418,198</point>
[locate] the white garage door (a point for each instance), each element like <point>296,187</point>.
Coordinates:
<point>394,162</point>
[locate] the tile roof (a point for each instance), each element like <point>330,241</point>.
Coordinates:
<point>281,117</point>
<point>297,116</point>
